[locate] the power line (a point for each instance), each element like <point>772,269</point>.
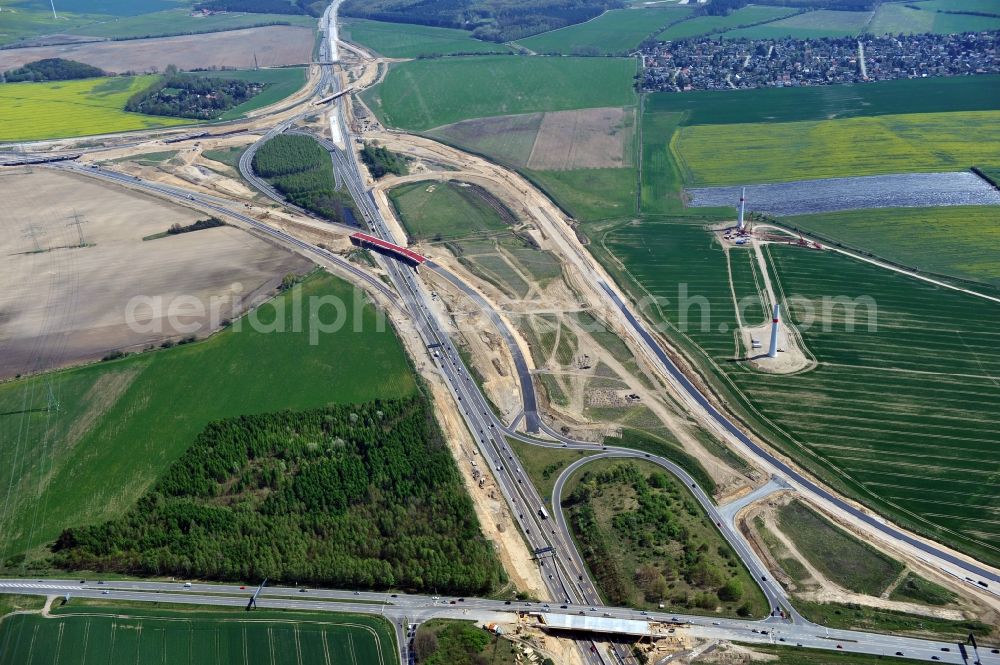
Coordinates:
<point>33,231</point>
<point>78,223</point>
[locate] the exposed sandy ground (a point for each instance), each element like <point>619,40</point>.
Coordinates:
<point>274,46</point>
<point>558,298</point>
<point>584,139</point>
<point>791,354</point>
<point>497,524</point>
<point>68,304</point>
<point>733,654</point>
<point>494,517</point>
<point>553,224</point>
<point>820,588</point>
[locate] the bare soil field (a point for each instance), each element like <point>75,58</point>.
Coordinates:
<point>584,139</point>
<point>509,138</point>
<point>274,46</point>
<point>67,304</point>
<point>558,141</point>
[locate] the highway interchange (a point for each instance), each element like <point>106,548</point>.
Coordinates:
<point>563,572</point>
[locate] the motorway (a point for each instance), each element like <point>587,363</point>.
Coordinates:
<point>402,609</point>
<point>802,483</point>
<point>563,572</point>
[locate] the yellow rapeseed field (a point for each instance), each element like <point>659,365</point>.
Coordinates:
<point>774,152</point>
<point>57,109</point>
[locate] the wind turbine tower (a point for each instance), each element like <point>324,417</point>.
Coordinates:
<point>54,15</point>
<point>772,351</point>
<point>740,226</point>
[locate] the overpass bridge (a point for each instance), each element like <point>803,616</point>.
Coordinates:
<point>405,255</point>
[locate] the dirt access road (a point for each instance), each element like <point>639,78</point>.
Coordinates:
<point>550,221</point>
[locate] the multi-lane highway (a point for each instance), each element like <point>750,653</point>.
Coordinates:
<point>401,609</point>
<point>562,570</point>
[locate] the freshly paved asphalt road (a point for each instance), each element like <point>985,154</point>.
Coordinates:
<point>568,577</point>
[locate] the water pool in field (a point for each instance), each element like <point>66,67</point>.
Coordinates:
<point>906,190</point>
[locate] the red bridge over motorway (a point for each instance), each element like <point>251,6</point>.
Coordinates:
<point>379,245</point>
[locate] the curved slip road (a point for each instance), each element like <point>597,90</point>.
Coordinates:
<point>773,592</point>
<point>792,474</point>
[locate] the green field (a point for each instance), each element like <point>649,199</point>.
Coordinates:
<point>181,22</point>
<point>544,464</point>
<point>841,557</point>
<point>24,19</point>
<point>827,102</point>
<point>24,22</point>
<point>808,25</point>
<point>745,16</point>
<point>900,417</point>
<point>80,634</point>
<point>956,241</point>
<point>796,656</point>
<point>228,156</point>
<point>874,620</point>
<point>105,7</point>
<point>616,32</point>
<point>507,261</point>
<point>10,602</point>
<point>454,642</point>
<point>916,589</point>
<point>983,6</point>
<point>590,194</point>
<point>280,82</point>
<point>422,94</point>
<point>913,18</point>
<point>431,210</point>
<point>920,142</point>
<point>507,139</point>
<point>647,542</point>
<point>31,111</point>
<point>408,40</point>
<point>120,424</point>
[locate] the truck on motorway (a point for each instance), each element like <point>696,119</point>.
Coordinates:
<point>543,513</point>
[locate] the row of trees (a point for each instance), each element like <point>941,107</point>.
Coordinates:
<point>176,228</point>
<point>300,168</point>
<point>491,20</point>
<point>348,496</point>
<point>261,6</point>
<point>380,160</point>
<point>52,69</point>
<point>724,7</point>
<point>675,566</point>
<point>187,96</point>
